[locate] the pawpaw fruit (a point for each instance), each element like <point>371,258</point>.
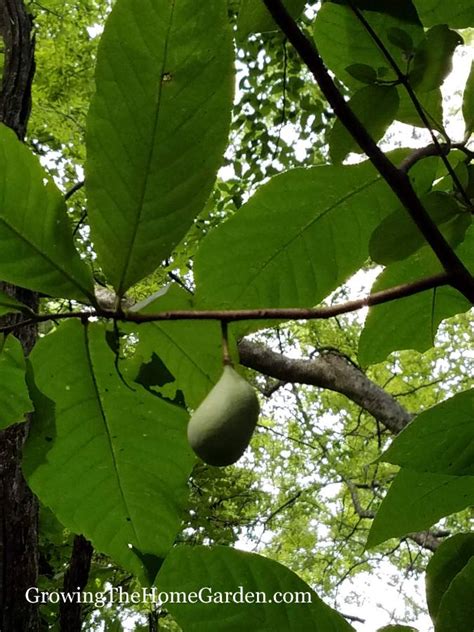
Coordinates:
<point>220,429</point>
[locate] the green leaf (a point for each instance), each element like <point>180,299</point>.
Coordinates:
<point>411,322</point>
<point>397,237</point>
<point>254,17</point>
<point>363,73</point>
<point>456,611</point>
<point>36,247</point>
<point>449,559</point>
<point>376,120</point>
<point>15,402</point>
<point>468,103</point>
<point>416,501</point>
<point>401,39</point>
<point>458,15</point>
<point>317,224</point>
<point>191,352</point>
<point>9,305</point>
<point>157,129</point>
<point>111,462</point>
<point>337,23</point>
<point>431,103</point>
<point>433,58</point>
<point>440,439</point>
<point>221,570</point>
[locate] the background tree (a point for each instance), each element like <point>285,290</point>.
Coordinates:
<point>163,252</point>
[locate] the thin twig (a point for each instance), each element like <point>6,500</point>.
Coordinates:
<point>228,316</point>
<point>77,187</point>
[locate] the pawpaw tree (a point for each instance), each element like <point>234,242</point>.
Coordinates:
<point>190,195</point>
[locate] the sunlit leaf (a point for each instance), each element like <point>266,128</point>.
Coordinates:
<point>36,247</point>
<point>157,129</point>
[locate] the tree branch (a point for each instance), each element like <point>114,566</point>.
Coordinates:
<point>227,316</point>
<point>398,181</point>
<point>75,579</point>
<point>330,371</point>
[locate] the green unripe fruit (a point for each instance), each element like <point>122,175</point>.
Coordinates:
<point>221,428</point>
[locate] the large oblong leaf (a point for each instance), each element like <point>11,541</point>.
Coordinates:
<point>316,222</point>
<point>111,462</point>
<point>36,246</point>
<point>14,399</point>
<point>258,584</point>
<point>456,610</point>
<point>157,128</point>
<point>440,439</point>
<point>416,501</point>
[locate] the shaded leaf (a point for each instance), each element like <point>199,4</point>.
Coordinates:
<point>110,462</point>
<point>431,103</point>
<point>36,246</point>
<point>412,322</point>
<point>9,305</point>
<point>468,102</point>
<point>456,610</point>
<point>190,351</point>
<point>376,120</point>
<point>254,17</point>
<point>221,569</point>
<point>401,39</point>
<point>433,58</point>
<point>15,402</point>
<point>449,559</point>
<point>157,129</point>
<point>440,439</point>
<point>416,501</point>
<point>363,73</point>
<point>397,237</point>
<point>458,15</point>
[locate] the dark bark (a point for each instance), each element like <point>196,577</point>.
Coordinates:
<point>75,578</point>
<point>18,506</point>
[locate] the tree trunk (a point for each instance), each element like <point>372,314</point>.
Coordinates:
<point>18,506</point>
